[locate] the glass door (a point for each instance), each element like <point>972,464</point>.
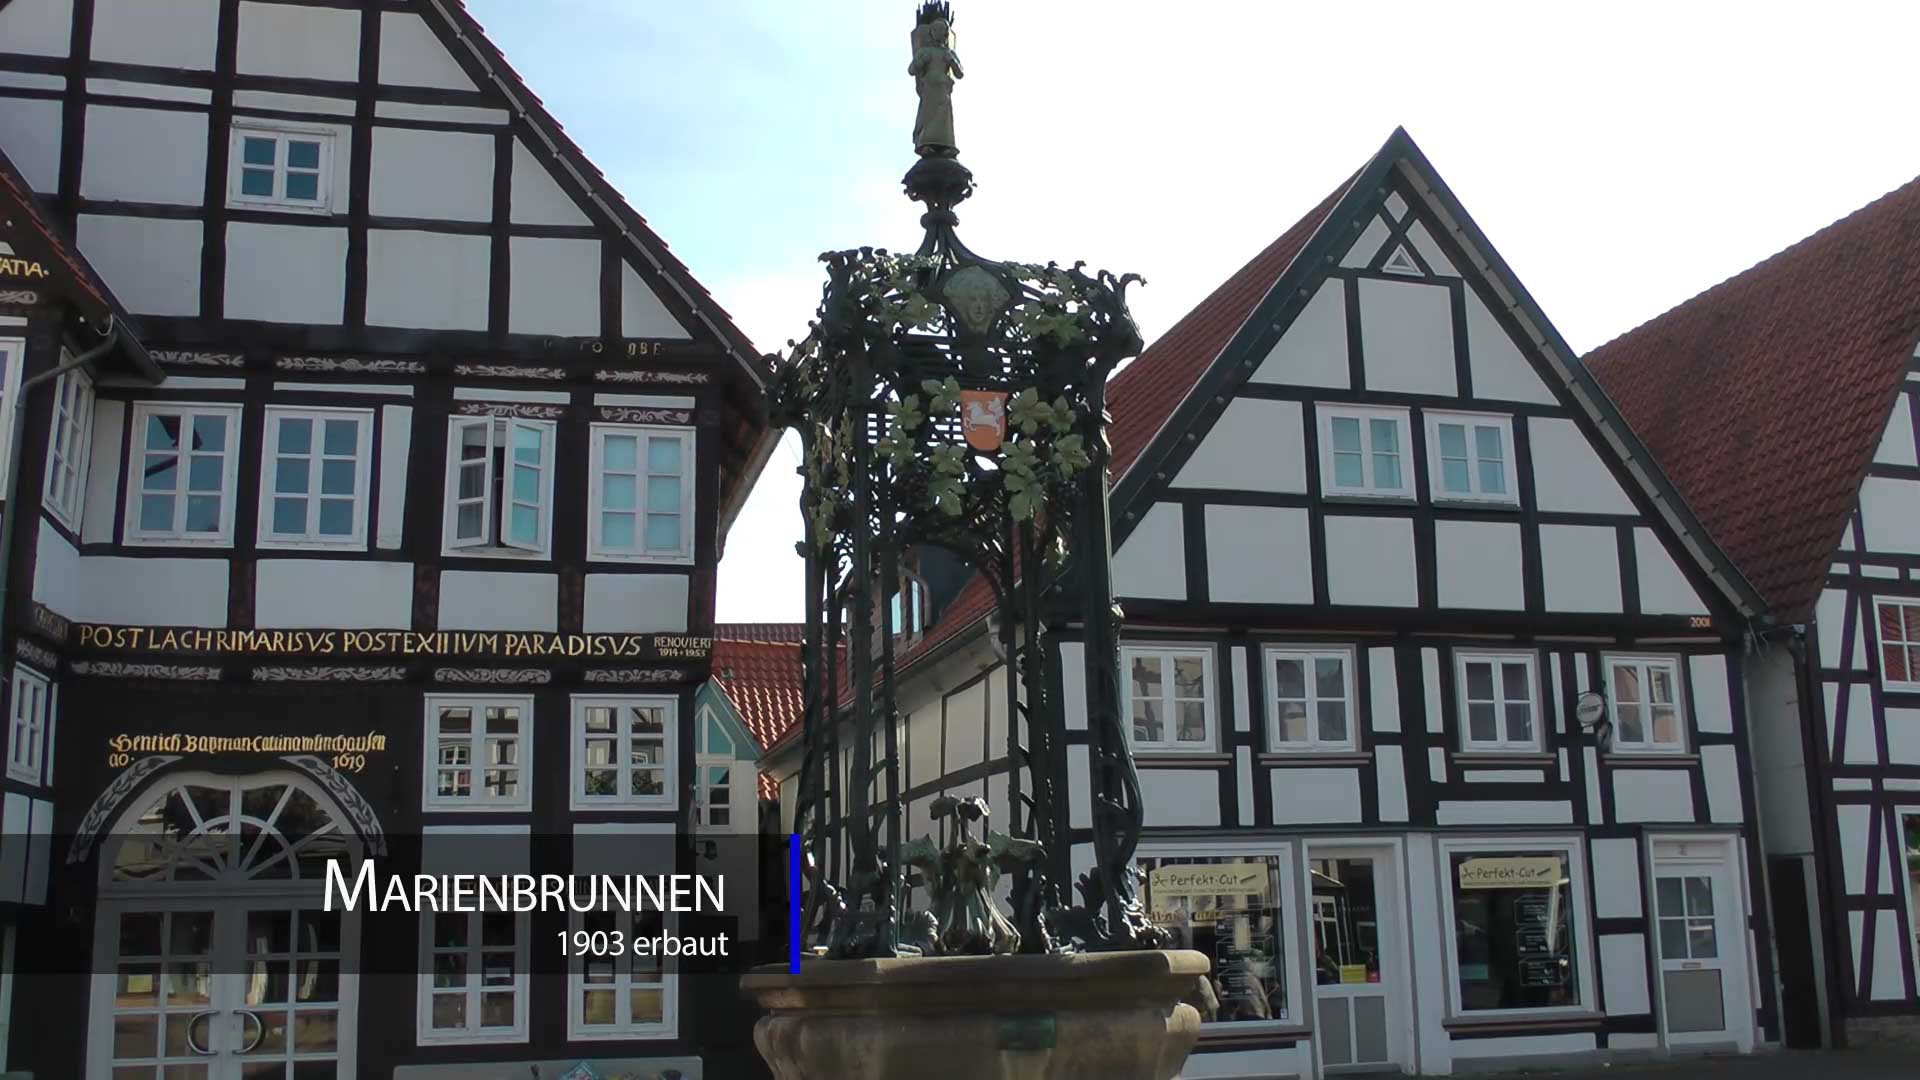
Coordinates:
<point>1700,934</point>
<point>1358,972</point>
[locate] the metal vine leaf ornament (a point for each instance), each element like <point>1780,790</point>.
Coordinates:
<point>953,407</point>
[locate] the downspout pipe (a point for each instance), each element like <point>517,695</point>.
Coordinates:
<point>15,436</point>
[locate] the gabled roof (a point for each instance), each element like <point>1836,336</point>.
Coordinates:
<point>1764,397</point>
<point>762,681</point>
<point>761,631</point>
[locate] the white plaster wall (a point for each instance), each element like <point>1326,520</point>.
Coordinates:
<point>1896,439</point>
<point>1437,260</point>
<point>1568,475</point>
<point>642,315</point>
<point>315,594</point>
<point>1652,795</point>
<point>103,482</point>
<point>432,174</point>
<point>1370,561</point>
<point>1391,774</point>
<point>153,592</point>
<point>30,130</point>
<point>56,571</point>
<point>1255,445</point>
<point>1580,565</point>
<point>1259,554</point>
<point>489,600</point>
<point>1855,836</point>
<point>1406,337</point>
<point>1384,688</point>
<point>556,287</point>
<point>1861,748</point>
<point>269,99</point>
<point>537,198</point>
<point>1903,736</point>
<point>1616,879</point>
<point>151,264</point>
<point>1720,765</point>
<point>923,744</point>
<point>1664,590</point>
<point>160,33</point>
<point>1889,984</point>
<point>1073,686</point>
<point>1181,796</point>
<point>1367,246</point>
<point>966,727</point>
<point>1623,974</point>
<point>396,437</point>
<point>1477,565</point>
<point>410,55</point>
<point>1712,701</point>
<point>1504,812</point>
<point>1779,766</point>
<point>1313,351</point>
<point>1152,563</point>
<point>145,155</point>
<point>636,603</point>
<point>1500,370</point>
<point>1890,509</point>
<point>299,42</point>
<point>427,281</point>
<point>44,28</point>
<point>1829,616</point>
<point>1314,796</point>
<point>286,273</point>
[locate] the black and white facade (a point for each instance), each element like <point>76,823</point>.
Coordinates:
<point>1370,559</point>
<point>407,551</point>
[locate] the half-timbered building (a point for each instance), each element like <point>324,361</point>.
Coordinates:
<point>372,462</point>
<point>1783,402</point>
<point>1434,685</point>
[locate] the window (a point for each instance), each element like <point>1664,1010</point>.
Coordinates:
<point>1311,696</point>
<point>286,169</point>
<point>474,982</point>
<point>1231,907</point>
<point>713,789</point>
<point>499,486</point>
<point>1899,643</point>
<point>1469,456</point>
<point>69,446</point>
<point>1643,695</point>
<point>13,356</point>
<point>1168,697</point>
<point>1499,707</point>
<point>623,752</point>
<point>623,994</point>
<point>183,457</point>
<point>1683,905</point>
<point>1364,452</point>
<point>1516,943</point>
<point>31,730</point>
<point>479,751</point>
<point>641,494</point>
<point>314,477</point>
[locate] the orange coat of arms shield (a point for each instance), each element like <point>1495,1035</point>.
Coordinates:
<point>983,418</point>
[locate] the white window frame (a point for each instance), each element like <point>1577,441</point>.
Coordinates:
<point>280,133</point>
<point>1646,662</point>
<point>142,411</point>
<point>425,1034</point>
<point>705,757</point>
<point>1313,743</point>
<point>1292,919</point>
<point>29,725</point>
<point>498,500</point>
<point>13,357</point>
<point>597,547</point>
<point>623,985</point>
<point>1436,486</point>
<point>1210,710</point>
<point>476,800</point>
<point>1402,419</point>
<point>1500,744</point>
<point>1911,684</point>
<point>623,799</point>
<point>356,540</point>
<point>1580,917</point>
<point>69,448</point>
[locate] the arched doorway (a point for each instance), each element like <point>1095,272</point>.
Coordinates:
<point>216,960</point>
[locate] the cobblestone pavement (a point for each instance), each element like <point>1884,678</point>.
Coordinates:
<point>1788,1065</point>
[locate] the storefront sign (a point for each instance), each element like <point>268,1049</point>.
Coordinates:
<point>1216,879</point>
<point>25,269</point>
<point>199,641</point>
<point>347,753</point>
<point>1511,872</point>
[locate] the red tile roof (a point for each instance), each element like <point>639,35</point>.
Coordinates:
<point>761,631</point>
<point>1764,397</point>
<point>20,213</point>
<point>762,680</point>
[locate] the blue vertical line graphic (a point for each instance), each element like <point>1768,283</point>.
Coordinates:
<point>794,905</point>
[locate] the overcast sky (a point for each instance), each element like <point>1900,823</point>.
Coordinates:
<point>1622,157</point>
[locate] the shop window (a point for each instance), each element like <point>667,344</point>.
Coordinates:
<point>623,992</point>
<point>1169,697</point>
<point>479,750</point>
<point>69,448</point>
<point>1499,705</point>
<point>31,730</point>
<point>473,986</point>
<point>499,486</point>
<point>641,494</point>
<point>1517,944</point>
<point>182,466</point>
<point>1643,696</point>
<point>1234,909</point>
<point>314,477</point>
<point>1311,696</point>
<point>623,752</point>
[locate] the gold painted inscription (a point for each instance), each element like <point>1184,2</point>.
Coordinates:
<point>200,640</point>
